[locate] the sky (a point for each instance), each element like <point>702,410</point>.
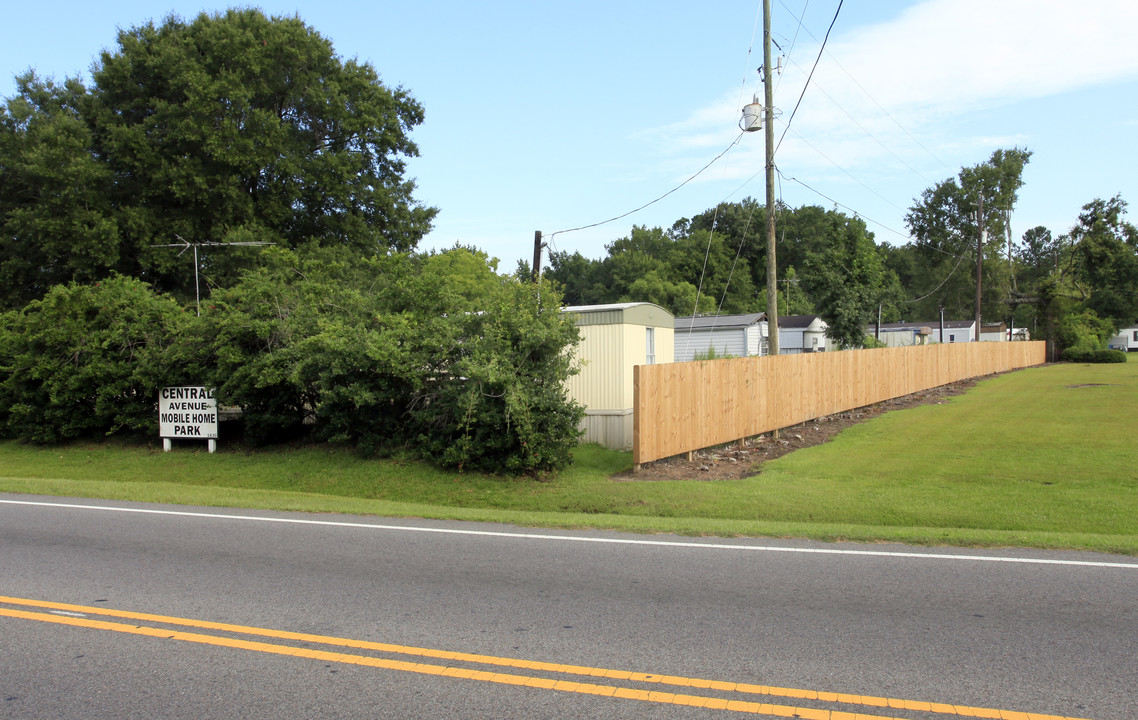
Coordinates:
<point>555,116</point>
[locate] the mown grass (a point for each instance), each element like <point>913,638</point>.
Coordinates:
<point>1044,457</point>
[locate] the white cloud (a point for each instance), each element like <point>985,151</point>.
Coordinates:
<point>948,52</point>
<point>893,94</point>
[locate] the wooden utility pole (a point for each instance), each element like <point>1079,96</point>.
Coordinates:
<point>537,246</point>
<point>979,261</point>
<point>772,267</point>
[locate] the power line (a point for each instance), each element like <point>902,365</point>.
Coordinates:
<point>882,225</point>
<point>750,47</point>
<point>942,282</point>
<point>959,258</point>
<point>887,114</point>
<point>706,255</point>
<point>793,40</point>
<point>871,97</point>
<point>871,136</point>
<point>847,172</point>
<point>808,77</point>
<point>738,254</point>
<point>653,202</point>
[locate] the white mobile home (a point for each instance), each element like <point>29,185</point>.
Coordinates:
<point>924,333</point>
<point>747,335</point>
<point>734,335</point>
<point>996,332</point>
<point>614,338</point>
<point>801,333</point>
<point>1126,340</point>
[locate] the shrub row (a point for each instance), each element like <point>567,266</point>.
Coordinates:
<point>432,352</point>
<point>1079,355</point>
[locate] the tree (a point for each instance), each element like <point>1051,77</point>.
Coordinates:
<point>1038,256</point>
<point>234,127</point>
<point>681,269</point>
<point>1082,284</point>
<point>1103,247</point>
<point>946,223</point>
<point>55,220</point>
<point>576,275</point>
<point>850,281</point>
<point>836,268</point>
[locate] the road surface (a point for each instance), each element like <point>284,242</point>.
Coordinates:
<point>129,610</point>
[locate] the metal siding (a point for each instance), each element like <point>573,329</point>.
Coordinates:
<point>1124,340</point>
<point>789,340</point>
<point>894,338</point>
<point>608,350</point>
<point>635,353</point>
<point>725,342</point>
<point>597,385</point>
<point>613,431</point>
<point>644,314</point>
<point>605,317</point>
<point>753,340</point>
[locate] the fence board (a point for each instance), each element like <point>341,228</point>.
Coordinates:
<point>683,407</point>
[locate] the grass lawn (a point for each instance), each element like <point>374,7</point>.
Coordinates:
<point>1044,457</point>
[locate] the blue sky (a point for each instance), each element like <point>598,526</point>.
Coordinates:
<point>551,116</point>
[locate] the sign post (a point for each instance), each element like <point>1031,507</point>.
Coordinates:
<point>188,413</point>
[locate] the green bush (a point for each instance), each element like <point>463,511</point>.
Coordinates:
<point>1094,356</point>
<point>1110,356</point>
<point>1083,332</point>
<point>502,402</point>
<point>436,352</point>
<point>87,360</point>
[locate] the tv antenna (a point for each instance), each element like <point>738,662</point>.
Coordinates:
<point>186,245</point>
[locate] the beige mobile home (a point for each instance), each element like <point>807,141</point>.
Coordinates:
<point>614,338</point>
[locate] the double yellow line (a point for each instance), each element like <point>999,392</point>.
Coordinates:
<point>76,615</point>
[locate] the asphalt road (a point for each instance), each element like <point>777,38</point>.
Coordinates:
<point>159,611</point>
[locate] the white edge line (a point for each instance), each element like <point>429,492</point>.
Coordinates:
<point>578,538</point>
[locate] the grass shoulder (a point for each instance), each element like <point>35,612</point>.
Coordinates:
<point>1040,458</point>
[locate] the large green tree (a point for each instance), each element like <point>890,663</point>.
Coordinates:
<point>850,281</point>
<point>947,222</point>
<point>56,223</point>
<point>232,127</point>
<point>828,262</point>
<point>1105,265</point>
<point>1079,288</point>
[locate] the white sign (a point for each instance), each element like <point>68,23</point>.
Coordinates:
<point>187,412</point>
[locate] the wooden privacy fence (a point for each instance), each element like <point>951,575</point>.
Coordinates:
<point>682,407</point>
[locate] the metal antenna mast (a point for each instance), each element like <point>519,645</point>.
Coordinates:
<point>186,245</point>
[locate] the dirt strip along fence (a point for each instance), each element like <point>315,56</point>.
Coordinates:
<point>682,407</point>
